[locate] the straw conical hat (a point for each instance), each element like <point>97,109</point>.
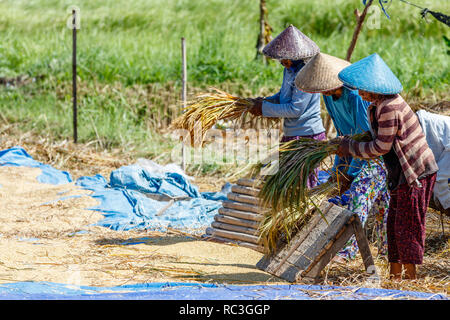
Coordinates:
<point>371,74</point>
<point>291,44</point>
<point>321,73</point>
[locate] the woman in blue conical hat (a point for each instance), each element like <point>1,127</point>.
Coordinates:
<point>363,181</point>
<point>300,110</point>
<point>411,166</point>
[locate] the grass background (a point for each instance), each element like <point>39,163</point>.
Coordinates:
<point>129,59</point>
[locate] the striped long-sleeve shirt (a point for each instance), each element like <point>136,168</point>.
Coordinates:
<point>398,128</point>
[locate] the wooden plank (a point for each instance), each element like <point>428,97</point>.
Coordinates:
<point>273,263</point>
<point>312,247</point>
<point>232,235</point>
<point>249,245</point>
<point>302,234</point>
<point>249,183</point>
<point>285,252</point>
<point>243,207</point>
<point>288,272</point>
<point>324,231</point>
<point>240,214</point>
<point>320,236</point>
<point>363,245</point>
<point>231,227</point>
<point>245,190</point>
<point>346,228</point>
<point>236,221</point>
<point>243,198</point>
<point>264,262</point>
<point>327,255</point>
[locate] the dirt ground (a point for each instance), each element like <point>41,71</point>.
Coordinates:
<point>46,239</point>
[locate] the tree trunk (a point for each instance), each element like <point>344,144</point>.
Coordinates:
<point>359,22</point>
<point>265,31</point>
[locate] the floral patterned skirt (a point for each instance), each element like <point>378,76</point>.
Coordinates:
<point>368,195</point>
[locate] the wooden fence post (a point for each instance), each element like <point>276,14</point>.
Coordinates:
<point>265,31</point>
<point>183,93</point>
<point>74,75</point>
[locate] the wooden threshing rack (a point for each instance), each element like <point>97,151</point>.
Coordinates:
<point>307,253</point>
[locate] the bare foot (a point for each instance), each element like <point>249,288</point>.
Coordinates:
<point>395,277</point>
<point>339,259</point>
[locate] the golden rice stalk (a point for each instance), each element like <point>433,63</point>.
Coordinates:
<point>286,192</point>
<point>298,159</point>
<point>282,225</point>
<point>206,109</point>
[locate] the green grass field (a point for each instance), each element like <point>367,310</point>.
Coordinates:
<point>129,58</point>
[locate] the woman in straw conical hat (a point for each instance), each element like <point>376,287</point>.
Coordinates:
<point>363,181</point>
<point>411,166</point>
<point>300,110</point>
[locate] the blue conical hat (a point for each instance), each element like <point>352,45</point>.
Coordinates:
<point>291,44</point>
<point>371,74</point>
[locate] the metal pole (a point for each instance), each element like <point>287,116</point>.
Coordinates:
<point>74,76</point>
<point>183,93</point>
<point>184,80</point>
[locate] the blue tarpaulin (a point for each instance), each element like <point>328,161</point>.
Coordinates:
<point>125,206</point>
<point>201,291</point>
<point>171,184</point>
<point>17,157</point>
<point>137,178</point>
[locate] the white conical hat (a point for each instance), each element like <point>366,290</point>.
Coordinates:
<point>321,73</point>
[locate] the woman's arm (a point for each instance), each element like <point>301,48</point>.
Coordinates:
<point>293,109</point>
<point>382,144</point>
<point>273,99</point>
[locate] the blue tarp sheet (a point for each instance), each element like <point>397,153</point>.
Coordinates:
<point>125,207</point>
<point>17,156</point>
<point>172,184</point>
<point>137,178</point>
<point>201,291</point>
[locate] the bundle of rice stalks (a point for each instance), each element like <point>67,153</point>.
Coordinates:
<point>281,225</point>
<point>286,193</point>
<point>287,188</point>
<point>206,109</point>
